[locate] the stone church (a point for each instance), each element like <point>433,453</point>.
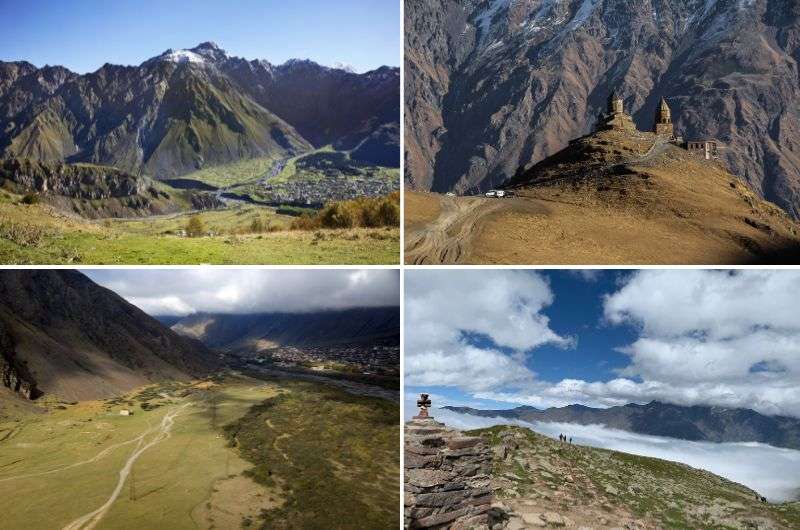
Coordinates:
<point>615,118</point>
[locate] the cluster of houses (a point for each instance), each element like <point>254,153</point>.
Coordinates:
<point>315,191</point>
<point>327,176</point>
<point>377,359</point>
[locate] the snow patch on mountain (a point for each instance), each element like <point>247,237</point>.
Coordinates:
<point>182,56</point>
<point>583,13</point>
<point>484,20</point>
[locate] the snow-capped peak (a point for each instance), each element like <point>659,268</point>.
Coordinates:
<point>203,53</point>
<point>182,56</point>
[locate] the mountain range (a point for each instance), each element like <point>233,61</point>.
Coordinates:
<point>189,109</point>
<point>697,423</point>
<point>493,86</point>
<point>62,334</point>
<point>251,332</point>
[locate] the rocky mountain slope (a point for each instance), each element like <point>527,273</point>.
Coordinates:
<point>189,109</point>
<point>541,482</point>
<point>699,423</point>
<point>62,334</point>
<point>236,332</point>
<point>97,191</point>
<point>493,85</point>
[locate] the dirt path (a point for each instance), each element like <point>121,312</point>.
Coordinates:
<point>90,520</point>
<point>447,238</point>
<point>95,458</point>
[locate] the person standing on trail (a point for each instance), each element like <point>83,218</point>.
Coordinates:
<point>570,439</point>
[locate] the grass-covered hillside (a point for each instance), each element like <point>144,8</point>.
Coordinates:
<point>240,234</point>
<point>546,483</point>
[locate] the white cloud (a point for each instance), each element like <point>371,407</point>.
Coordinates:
<point>184,291</point>
<point>720,338</point>
<point>729,338</point>
<point>771,471</point>
<point>503,306</point>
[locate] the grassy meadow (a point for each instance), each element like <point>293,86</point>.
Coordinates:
<point>60,464</point>
<point>37,233</point>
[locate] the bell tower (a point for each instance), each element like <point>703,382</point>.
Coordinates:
<point>663,122</point>
<point>615,104</point>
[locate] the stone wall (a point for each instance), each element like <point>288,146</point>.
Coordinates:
<point>447,478</point>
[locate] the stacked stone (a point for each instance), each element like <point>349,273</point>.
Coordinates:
<point>447,477</point>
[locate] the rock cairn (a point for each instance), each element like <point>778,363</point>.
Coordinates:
<point>447,476</point>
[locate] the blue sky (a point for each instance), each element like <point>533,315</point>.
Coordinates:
<point>85,35</point>
<point>577,312</point>
<point>502,338</point>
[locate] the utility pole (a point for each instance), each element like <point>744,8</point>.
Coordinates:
<point>133,485</point>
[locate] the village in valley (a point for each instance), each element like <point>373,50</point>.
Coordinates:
<point>325,176</point>
<point>377,358</point>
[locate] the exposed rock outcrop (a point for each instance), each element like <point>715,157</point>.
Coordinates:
<point>447,478</point>
<point>13,374</point>
<point>98,191</point>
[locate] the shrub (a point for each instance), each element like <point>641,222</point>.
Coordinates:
<point>371,212</point>
<point>21,233</point>
<point>195,227</point>
<point>305,222</point>
<point>339,215</point>
<point>30,198</point>
<point>257,226</point>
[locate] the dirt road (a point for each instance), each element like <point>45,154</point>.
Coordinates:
<point>162,432</point>
<point>446,239</point>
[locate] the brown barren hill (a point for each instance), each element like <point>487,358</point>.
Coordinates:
<point>611,197</point>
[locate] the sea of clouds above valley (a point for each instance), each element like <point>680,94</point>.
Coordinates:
<point>772,471</point>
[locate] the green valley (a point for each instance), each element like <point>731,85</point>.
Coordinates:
<point>185,457</point>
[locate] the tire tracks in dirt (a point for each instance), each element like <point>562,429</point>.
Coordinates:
<point>447,238</point>
<point>91,519</point>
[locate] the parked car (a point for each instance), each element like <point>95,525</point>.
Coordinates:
<point>450,194</point>
<point>491,193</point>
